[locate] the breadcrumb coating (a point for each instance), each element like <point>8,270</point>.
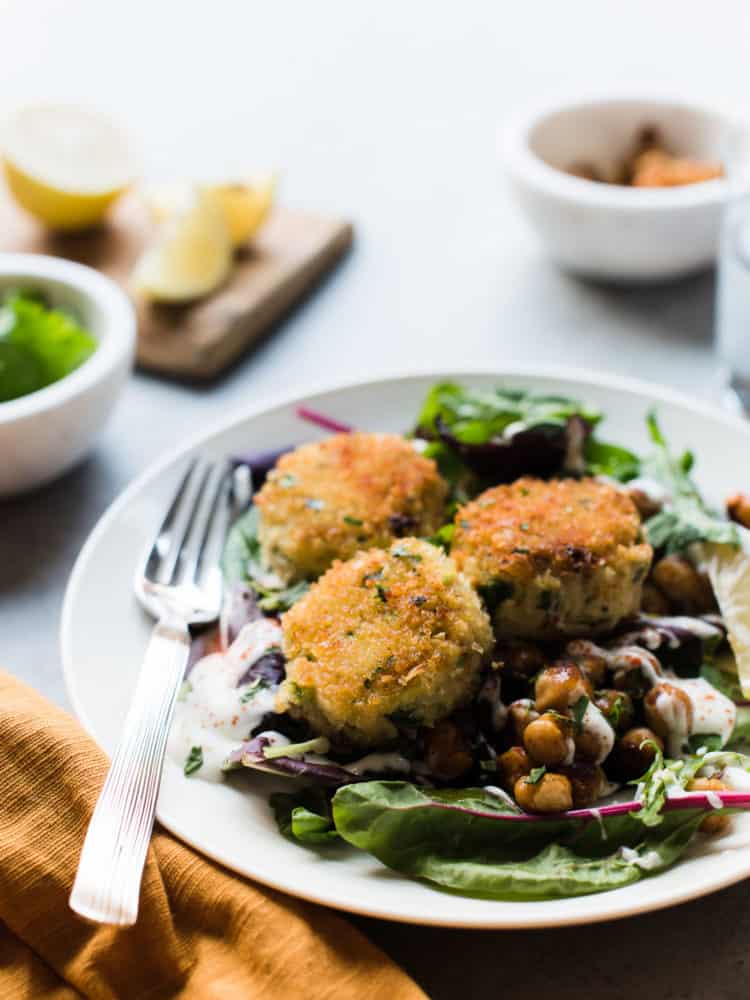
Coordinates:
<point>387,635</point>
<point>330,499</point>
<point>553,558</point>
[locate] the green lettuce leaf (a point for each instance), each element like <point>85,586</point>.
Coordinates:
<point>38,346</point>
<point>473,842</point>
<point>604,459</point>
<point>304,816</point>
<point>667,775</point>
<point>686,518</point>
<point>477,416</point>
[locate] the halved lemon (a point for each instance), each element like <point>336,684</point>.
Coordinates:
<point>192,254</point>
<point>246,206</point>
<point>65,165</point>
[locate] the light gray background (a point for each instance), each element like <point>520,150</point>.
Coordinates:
<point>386,113</point>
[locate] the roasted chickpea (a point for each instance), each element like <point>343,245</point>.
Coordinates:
<point>668,708</point>
<point>587,782</point>
<point>547,742</point>
<point>633,754</point>
<point>560,686</point>
<point>521,713</point>
<point>627,674</point>
<point>687,590</point>
<point>738,508</point>
<point>512,765</point>
<point>520,657</point>
<point>594,738</point>
<point>646,505</point>
<point>447,753</point>
<point>616,707</point>
<point>653,602</point>
<point>551,794</point>
<point>717,822</point>
<point>594,668</point>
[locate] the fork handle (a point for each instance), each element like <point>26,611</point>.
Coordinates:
<point>108,881</point>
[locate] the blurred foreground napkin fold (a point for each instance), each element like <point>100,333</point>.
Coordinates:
<point>202,933</point>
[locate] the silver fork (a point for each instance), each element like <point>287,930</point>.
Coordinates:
<point>180,584</point>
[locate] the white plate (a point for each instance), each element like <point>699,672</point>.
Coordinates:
<point>104,634</point>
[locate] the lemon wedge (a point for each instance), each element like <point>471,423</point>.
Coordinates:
<point>246,206</point>
<point>64,165</point>
<point>192,254</point>
<point>728,569</point>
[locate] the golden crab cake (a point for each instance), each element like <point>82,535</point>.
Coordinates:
<point>551,559</point>
<point>387,635</point>
<point>328,500</point>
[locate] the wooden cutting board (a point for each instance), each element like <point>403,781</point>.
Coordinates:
<point>198,341</point>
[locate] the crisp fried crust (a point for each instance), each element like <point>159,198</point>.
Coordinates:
<point>563,557</point>
<point>396,633</point>
<point>330,499</point>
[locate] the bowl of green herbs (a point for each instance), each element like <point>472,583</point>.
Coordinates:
<point>67,339</point>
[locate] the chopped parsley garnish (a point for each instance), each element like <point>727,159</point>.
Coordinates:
<point>401,552</point>
<point>704,742</point>
<point>443,537</point>
<point>257,685</point>
<point>194,760</point>
<point>579,710</point>
<point>353,520</point>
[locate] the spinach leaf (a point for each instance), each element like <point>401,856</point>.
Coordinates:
<point>474,842</point>
<point>241,562</point>
<point>304,816</point>
<point>686,518</point>
<point>603,459</point>
<point>555,872</point>
<point>242,547</point>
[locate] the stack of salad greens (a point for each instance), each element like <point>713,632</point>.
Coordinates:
<point>38,345</point>
<point>477,841</point>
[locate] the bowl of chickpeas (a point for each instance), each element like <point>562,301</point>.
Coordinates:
<point>625,189</point>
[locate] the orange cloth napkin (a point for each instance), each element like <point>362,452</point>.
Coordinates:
<point>202,933</point>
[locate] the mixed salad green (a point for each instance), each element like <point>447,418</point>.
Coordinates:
<point>38,345</point>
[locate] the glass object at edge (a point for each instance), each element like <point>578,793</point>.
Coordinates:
<point>733,284</point>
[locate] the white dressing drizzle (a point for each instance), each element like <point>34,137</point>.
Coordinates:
<point>377,763</point>
<point>736,778</point>
<point>712,712</point>
<point>211,714</point>
<point>595,724</point>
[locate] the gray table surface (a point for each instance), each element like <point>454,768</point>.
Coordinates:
<point>387,114</point>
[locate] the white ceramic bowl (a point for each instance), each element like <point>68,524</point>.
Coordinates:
<point>606,230</point>
<point>46,432</point>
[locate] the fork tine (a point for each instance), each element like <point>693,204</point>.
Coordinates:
<point>212,505</point>
<point>162,542</point>
<point>188,501</point>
